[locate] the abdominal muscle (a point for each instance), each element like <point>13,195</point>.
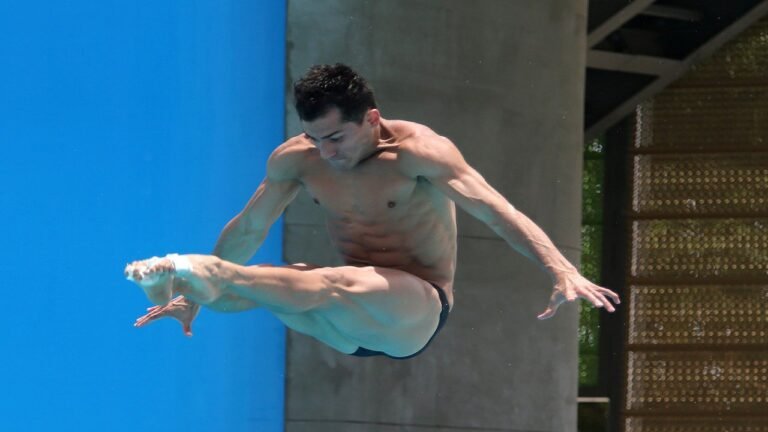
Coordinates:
<point>421,242</point>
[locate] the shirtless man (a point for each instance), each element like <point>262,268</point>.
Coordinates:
<point>388,190</point>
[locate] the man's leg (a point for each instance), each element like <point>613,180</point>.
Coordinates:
<point>380,309</point>
<point>229,301</point>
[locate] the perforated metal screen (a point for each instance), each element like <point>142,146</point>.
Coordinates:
<point>697,338</point>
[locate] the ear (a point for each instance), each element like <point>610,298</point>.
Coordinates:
<point>373,117</point>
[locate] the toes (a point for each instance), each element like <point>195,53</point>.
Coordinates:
<point>133,273</point>
<point>151,268</point>
<point>161,266</point>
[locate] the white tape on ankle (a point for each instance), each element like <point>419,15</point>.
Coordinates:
<point>181,263</point>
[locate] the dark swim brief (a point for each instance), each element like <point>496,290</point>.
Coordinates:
<point>363,352</point>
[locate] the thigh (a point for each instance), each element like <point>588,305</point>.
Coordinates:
<point>383,309</point>
<point>390,296</point>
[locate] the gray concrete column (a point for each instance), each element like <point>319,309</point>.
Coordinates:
<point>504,80</point>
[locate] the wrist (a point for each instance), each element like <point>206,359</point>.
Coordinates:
<point>561,270</point>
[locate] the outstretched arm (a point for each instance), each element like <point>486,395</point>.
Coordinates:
<point>440,162</point>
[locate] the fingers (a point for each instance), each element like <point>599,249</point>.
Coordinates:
<point>609,293</point>
<point>596,297</point>
<point>600,293</point>
<point>599,297</point>
<point>593,298</point>
<point>146,319</point>
<point>547,314</point>
<point>177,308</point>
<point>554,302</point>
<point>604,302</point>
<point>142,321</point>
<point>153,313</point>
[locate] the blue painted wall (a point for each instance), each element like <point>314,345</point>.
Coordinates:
<point>131,129</point>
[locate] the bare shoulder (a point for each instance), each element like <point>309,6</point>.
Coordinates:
<point>406,130</point>
<point>289,159</point>
<point>424,152</point>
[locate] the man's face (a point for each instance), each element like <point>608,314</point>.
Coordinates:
<point>340,143</point>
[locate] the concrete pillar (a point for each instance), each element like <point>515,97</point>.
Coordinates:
<point>504,80</point>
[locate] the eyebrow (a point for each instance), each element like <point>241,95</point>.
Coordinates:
<point>327,136</point>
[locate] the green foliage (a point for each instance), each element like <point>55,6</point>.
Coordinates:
<point>591,257</point>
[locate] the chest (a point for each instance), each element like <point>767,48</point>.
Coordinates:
<point>370,192</point>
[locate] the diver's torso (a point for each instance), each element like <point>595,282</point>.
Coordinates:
<point>378,216</point>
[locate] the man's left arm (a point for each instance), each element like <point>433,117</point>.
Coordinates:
<point>439,161</point>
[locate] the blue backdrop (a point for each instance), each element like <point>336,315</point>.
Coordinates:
<point>131,129</point>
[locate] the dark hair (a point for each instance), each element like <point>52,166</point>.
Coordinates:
<point>324,87</point>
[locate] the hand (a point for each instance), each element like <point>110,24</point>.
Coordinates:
<point>179,308</point>
<point>571,286</point>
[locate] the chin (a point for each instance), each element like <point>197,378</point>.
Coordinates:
<point>344,164</point>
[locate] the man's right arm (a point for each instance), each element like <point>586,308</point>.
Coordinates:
<point>243,235</point>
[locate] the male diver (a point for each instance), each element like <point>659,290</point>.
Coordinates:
<point>388,189</point>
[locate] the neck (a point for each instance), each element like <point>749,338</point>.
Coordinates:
<point>371,155</point>
<point>384,134</point>
<point>383,138</point>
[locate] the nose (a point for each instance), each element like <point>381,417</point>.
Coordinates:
<point>328,150</point>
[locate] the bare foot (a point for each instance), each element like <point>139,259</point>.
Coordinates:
<point>154,276</point>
